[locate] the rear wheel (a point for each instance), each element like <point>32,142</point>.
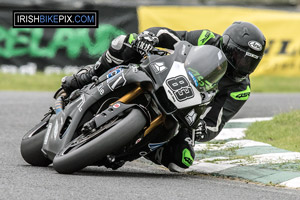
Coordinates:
<point>85,150</point>
<point>32,143</point>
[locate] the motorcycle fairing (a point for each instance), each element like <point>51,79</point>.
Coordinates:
<point>178,88</point>
<point>63,126</point>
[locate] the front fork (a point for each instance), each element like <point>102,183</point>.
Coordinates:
<point>131,96</point>
<point>193,137</point>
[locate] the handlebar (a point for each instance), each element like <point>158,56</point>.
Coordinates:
<point>154,51</point>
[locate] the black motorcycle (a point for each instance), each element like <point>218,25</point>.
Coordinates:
<point>128,112</point>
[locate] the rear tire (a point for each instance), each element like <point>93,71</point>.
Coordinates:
<point>71,160</point>
<point>32,143</point>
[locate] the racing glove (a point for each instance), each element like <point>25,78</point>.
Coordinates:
<point>201,131</point>
<point>145,42</point>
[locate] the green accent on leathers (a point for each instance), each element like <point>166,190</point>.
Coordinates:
<point>131,38</point>
<point>204,37</point>
<point>187,158</point>
<point>241,95</point>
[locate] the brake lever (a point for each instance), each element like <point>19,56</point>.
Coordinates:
<point>153,51</point>
<point>95,80</point>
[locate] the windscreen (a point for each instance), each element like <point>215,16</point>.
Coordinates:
<point>205,66</point>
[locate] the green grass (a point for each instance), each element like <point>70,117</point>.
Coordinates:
<point>283,131</point>
<point>42,82</point>
<point>37,82</point>
<point>275,84</point>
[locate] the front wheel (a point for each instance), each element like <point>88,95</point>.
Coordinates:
<point>82,152</point>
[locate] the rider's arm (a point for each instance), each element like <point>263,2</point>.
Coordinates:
<point>167,37</point>
<point>225,105</point>
<point>120,53</point>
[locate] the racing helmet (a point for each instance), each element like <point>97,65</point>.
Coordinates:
<point>243,45</point>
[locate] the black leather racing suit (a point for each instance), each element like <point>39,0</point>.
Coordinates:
<point>227,102</point>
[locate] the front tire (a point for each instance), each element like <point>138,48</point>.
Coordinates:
<point>72,159</point>
<point>32,143</point>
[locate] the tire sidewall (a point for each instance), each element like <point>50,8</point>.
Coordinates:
<point>108,142</point>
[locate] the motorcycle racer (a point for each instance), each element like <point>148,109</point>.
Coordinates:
<point>243,45</point>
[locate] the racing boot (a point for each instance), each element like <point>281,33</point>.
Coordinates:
<point>177,155</point>
<point>83,77</point>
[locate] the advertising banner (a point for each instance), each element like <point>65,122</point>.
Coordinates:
<point>57,49</point>
<point>281,29</point>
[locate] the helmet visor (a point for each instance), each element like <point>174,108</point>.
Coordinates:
<point>243,61</point>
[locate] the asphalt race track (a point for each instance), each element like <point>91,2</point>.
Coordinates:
<point>268,105</point>
<point>136,180</point>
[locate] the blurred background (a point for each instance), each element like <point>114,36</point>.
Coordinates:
<point>60,51</point>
